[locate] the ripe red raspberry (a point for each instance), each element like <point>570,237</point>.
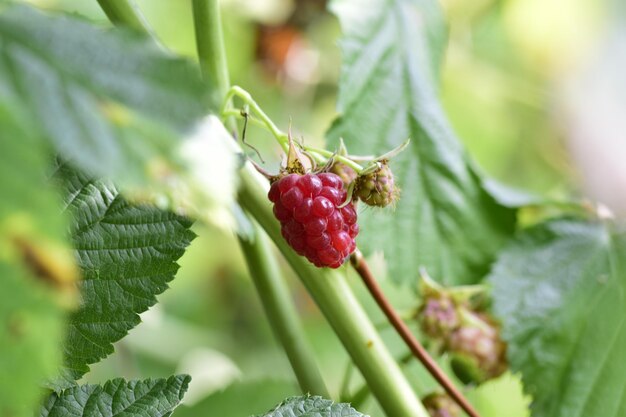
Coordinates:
<point>307,207</point>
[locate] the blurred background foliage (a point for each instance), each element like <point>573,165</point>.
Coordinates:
<point>502,87</point>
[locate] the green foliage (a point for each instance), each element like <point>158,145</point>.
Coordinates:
<point>111,101</point>
<point>259,395</point>
<point>307,406</point>
<point>559,290</point>
<point>445,220</point>
<point>149,398</point>
<point>127,254</point>
<point>115,105</point>
<point>22,151</point>
<point>31,331</point>
<point>32,250</point>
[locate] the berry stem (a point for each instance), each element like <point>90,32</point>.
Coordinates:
<point>264,270</point>
<point>280,310</point>
<point>321,156</point>
<point>360,265</point>
<point>323,153</point>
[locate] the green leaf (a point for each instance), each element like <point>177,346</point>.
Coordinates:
<point>259,395</point>
<point>559,289</point>
<point>445,220</point>
<point>127,254</point>
<point>148,398</point>
<point>23,165</point>
<point>31,334</point>
<point>36,269</point>
<point>307,406</point>
<point>111,101</point>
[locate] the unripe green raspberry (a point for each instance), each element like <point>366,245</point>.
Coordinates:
<point>437,316</point>
<point>344,172</point>
<point>477,351</point>
<point>441,405</point>
<point>377,188</point>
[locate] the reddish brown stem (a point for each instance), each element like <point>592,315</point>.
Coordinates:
<point>360,265</point>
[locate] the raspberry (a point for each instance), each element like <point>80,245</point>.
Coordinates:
<point>441,405</point>
<point>477,352</point>
<point>307,207</point>
<point>377,188</point>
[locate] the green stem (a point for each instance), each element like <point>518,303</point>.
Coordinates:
<point>236,91</point>
<point>344,390</point>
<point>359,397</point>
<point>211,51</point>
<point>263,268</point>
<point>321,156</point>
<point>210,44</point>
<point>337,302</point>
<point>281,311</point>
<point>126,13</point>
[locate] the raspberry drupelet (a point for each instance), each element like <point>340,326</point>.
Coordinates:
<point>307,207</point>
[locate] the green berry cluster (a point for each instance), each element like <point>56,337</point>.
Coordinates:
<point>461,328</point>
<point>377,188</point>
<point>476,350</point>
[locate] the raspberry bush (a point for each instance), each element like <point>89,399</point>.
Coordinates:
<point>115,153</point>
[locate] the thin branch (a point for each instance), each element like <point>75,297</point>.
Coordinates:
<point>262,119</point>
<point>360,265</point>
<point>281,311</point>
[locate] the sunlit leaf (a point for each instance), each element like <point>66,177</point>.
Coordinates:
<point>560,291</point>
<point>445,220</point>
